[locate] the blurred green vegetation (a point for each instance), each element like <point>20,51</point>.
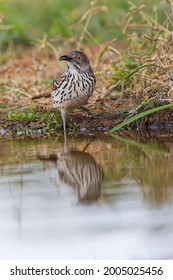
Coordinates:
<point>23,21</point>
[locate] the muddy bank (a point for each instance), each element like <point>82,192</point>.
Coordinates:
<point>162,120</point>
<point>28,74</point>
<point>78,121</point>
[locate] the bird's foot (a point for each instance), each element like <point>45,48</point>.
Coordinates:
<point>88,114</point>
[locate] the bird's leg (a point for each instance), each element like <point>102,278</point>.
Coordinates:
<point>63,115</point>
<point>88,114</point>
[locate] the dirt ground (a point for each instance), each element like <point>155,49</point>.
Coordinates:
<point>27,73</point>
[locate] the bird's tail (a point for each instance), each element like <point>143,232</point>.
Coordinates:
<point>45,94</point>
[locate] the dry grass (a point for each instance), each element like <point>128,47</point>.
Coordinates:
<point>134,74</point>
<point>30,71</point>
<point>144,67</point>
<point>153,73</point>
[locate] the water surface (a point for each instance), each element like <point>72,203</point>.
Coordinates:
<point>104,199</point>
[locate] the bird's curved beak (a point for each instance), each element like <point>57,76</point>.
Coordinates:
<point>65,57</point>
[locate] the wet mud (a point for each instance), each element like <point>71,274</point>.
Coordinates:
<point>159,121</point>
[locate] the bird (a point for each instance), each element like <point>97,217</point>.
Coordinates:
<point>75,86</point>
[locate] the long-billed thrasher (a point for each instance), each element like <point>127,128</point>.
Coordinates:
<point>76,84</point>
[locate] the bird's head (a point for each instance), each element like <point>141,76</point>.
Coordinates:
<point>77,60</point>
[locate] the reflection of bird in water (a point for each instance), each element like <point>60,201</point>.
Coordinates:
<point>79,170</point>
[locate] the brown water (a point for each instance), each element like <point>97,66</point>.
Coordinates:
<point>104,199</point>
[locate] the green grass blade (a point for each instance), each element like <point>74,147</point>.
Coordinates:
<point>138,116</point>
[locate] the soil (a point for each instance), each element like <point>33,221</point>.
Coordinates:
<point>96,121</point>
<point>27,74</point>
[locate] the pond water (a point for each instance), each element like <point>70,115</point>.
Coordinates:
<point>105,198</point>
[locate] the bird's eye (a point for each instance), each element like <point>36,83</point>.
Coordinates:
<point>78,57</point>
